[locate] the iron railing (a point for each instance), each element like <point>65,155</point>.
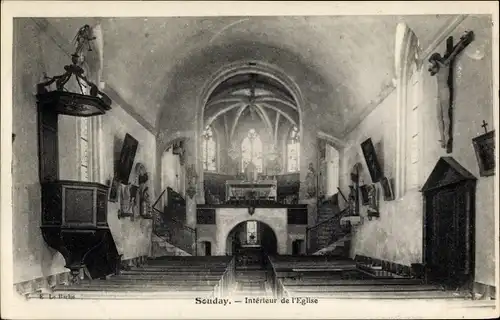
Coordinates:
<point>332,227</point>
<point>173,231</point>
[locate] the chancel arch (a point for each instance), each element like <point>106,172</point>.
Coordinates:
<point>246,87</point>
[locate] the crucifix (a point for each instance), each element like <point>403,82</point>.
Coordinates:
<point>442,67</point>
<point>485,126</point>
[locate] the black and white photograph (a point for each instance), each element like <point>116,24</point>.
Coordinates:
<point>193,160</point>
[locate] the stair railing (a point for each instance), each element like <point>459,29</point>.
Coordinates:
<point>312,233</point>
<point>174,231</point>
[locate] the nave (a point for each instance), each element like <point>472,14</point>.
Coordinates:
<point>316,277</point>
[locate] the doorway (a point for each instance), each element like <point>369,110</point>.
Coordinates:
<point>298,247</point>
<point>208,248</point>
<point>250,242</point>
<point>449,203</point>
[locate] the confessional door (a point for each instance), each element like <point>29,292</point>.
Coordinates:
<point>449,236</point>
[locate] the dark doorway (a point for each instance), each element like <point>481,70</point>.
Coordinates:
<point>250,241</point>
<point>208,248</point>
<point>449,203</point>
<point>297,247</point>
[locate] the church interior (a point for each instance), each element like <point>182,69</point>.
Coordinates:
<point>338,157</point>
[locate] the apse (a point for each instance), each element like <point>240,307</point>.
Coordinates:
<point>245,121</point>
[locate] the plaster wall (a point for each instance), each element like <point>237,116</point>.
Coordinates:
<point>397,234</point>
<point>35,54</point>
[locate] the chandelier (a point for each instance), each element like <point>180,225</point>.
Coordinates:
<point>89,100</point>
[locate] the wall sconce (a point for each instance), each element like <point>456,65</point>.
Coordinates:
<point>90,100</point>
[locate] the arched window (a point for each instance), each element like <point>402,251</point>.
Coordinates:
<point>293,150</point>
<point>408,143</point>
<point>251,151</point>
<point>209,150</point>
<point>252,232</point>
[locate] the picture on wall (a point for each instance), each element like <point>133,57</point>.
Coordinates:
<point>126,160</point>
<point>114,189</point>
<point>371,160</point>
<point>387,187</point>
<point>365,200</point>
<point>484,146</point>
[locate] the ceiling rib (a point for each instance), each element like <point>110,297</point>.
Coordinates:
<point>292,118</point>
<point>236,119</point>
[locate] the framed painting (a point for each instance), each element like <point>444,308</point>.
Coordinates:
<point>127,156</point>
<point>371,160</point>
<point>484,146</point>
<point>114,190</point>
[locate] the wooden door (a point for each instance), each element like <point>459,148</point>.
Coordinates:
<point>448,235</point>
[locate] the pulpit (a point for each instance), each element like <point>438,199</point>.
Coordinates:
<point>74,213</point>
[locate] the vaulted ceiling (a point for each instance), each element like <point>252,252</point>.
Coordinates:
<point>342,64</point>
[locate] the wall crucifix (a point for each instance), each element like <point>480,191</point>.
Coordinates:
<point>442,67</point>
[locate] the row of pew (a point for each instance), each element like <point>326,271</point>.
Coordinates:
<point>170,277</point>
<point>340,278</point>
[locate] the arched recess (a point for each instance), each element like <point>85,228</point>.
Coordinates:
<point>226,72</point>
<point>163,164</point>
<point>227,219</point>
<point>407,61</point>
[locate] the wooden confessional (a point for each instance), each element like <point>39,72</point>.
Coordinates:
<point>448,246</point>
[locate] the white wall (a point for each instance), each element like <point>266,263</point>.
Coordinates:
<point>397,235</point>
<point>35,54</point>
<point>133,238</point>
<point>171,173</point>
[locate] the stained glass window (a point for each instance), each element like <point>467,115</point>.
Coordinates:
<point>293,150</point>
<point>209,150</point>
<point>252,232</point>
<point>251,151</point>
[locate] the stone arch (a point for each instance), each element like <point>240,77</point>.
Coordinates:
<point>228,71</point>
<point>227,221</point>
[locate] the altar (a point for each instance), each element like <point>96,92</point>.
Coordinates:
<point>248,190</point>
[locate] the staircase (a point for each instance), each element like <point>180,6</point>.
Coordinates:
<point>171,237</point>
<point>328,236</point>
<point>160,247</point>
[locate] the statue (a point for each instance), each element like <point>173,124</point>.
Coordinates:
<point>351,200</point>
<point>192,180</point>
<point>310,182</point>
<point>144,193</point>
<point>128,201</point>
<point>442,67</point>
<point>373,201</point>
